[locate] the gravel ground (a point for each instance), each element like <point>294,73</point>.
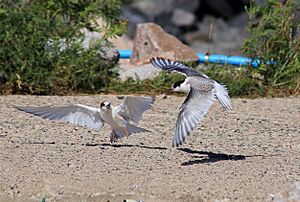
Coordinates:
<point>246,154</point>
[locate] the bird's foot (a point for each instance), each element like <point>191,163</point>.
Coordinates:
<point>114,137</point>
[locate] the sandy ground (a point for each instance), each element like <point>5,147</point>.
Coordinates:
<point>246,154</point>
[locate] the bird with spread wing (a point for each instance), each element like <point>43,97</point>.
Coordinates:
<point>121,118</point>
<point>202,92</point>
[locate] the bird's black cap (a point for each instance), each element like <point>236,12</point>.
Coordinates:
<point>177,83</point>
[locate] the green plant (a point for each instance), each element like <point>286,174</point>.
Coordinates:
<point>41,50</point>
<point>273,40</point>
<point>239,81</point>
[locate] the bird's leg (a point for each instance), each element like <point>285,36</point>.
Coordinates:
<point>116,136</point>
<point>126,133</point>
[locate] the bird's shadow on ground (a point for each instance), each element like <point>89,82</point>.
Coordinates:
<point>211,157</point>
<point>200,157</point>
<point>103,145</point>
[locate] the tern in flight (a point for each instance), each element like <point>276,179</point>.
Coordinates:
<point>120,117</point>
<point>202,92</point>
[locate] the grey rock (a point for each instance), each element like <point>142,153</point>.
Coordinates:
<point>152,8</point>
<point>187,5</point>
<point>108,53</point>
<point>134,17</point>
<point>158,11</point>
<point>240,20</point>
<point>140,72</point>
<point>182,17</point>
<point>204,29</point>
<point>218,24</point>
<point>224,39</point>
<point>91,39</point>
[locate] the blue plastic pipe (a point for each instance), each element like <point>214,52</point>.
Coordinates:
<point>232,60</point>
<point>219,59</point>
<point>125,54</point>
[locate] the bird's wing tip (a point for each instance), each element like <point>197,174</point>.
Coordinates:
<point>20,108</point>
<point>153,99</point>
<point>176,144</point>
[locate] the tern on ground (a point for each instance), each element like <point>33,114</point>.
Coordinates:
<point>118,117</point>
<point>202,92</point>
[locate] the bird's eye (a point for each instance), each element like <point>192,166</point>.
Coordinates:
<point>177,83</point>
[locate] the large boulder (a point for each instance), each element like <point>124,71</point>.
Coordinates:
<point>152,41</point>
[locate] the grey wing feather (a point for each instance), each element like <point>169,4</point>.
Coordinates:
<point>78,114</point>
<point>173,66</point>
<point>195,106</point>
<point>133,107</point>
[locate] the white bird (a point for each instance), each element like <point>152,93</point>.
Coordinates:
<point>118,117</point>
<point>202,92</point>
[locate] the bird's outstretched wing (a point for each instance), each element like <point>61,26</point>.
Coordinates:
<point>78,114</point>
<point>199,100</point>
<point>133,107</point>
<point>173,66</point>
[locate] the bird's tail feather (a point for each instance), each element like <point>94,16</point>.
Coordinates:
<point>222,95</point>
<point>135,129</point>
<point>130,129</point>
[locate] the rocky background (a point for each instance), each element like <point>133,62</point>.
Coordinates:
<point>191,21</point>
